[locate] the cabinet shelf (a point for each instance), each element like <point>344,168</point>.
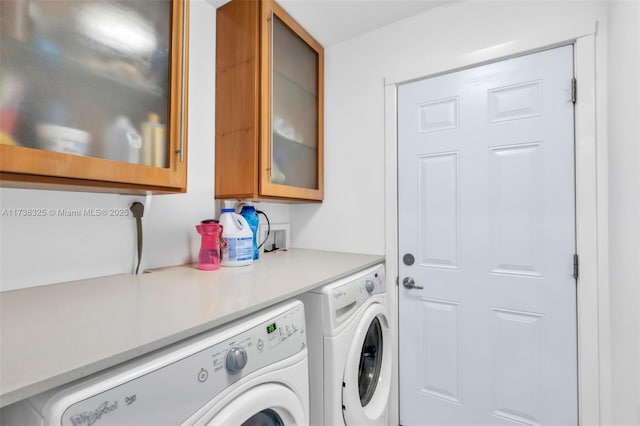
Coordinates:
<point>299,87</point>
<point>46,65</point>
<point>294,162</point>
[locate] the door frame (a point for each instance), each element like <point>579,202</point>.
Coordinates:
<point>594,377</point>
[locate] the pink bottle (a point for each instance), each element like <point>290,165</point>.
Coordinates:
<point>209,258</point>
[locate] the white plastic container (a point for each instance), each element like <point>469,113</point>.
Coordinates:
<point>238,237</point>
<point>122,141</point>
<point>63,139</point>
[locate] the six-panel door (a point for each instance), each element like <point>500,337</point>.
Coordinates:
<point>486,206</point>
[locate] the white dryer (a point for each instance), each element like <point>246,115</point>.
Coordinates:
<point>252,372</point>
<point>349,351</point>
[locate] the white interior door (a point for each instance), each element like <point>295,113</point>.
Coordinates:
<point>487,212</point>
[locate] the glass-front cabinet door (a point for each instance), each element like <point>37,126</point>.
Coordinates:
<point>292,104</point>
<point>92,93</point>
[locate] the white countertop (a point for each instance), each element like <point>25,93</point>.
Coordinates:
<point>54,334</point>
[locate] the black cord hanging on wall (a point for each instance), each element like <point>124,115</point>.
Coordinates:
<point>268,227</point>
<point>137,208</point>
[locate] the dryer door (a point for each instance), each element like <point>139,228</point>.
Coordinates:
<point>264,405</point>
<point>367,375</point>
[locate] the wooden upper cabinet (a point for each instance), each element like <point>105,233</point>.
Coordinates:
<point>269,105</point>
<point>93,95</point>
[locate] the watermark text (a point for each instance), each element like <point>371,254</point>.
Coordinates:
<point>65,212</point>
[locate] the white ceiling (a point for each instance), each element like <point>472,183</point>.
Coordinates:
<point>333,21</point>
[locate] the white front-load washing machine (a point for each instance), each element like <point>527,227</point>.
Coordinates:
<point>251,372</point>
<point>349,351</point>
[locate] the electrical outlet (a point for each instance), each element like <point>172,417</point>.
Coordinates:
<point>279,237</point>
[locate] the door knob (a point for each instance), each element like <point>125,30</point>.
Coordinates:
<point>409,283</point>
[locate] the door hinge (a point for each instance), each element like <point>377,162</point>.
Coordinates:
<point>397,281</point>
<point>574,90</point>
<point>575,266</point>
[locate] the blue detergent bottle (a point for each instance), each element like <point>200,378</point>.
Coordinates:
<point>251,216</point>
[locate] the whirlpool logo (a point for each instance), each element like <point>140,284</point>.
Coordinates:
<point>90,417</point>
<point>338,294</point>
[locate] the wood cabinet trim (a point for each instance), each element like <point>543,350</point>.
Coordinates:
<point>267,188</point>
<point>40,167</point>
<point>179,98</point>
<point>237,94</point>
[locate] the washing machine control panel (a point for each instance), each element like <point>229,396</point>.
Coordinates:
<point>373,282</point>
<point>369,285</point>
<point>263,345</point>
<point>345,296</point>
<point>200,368</point>
<point>236,359</point>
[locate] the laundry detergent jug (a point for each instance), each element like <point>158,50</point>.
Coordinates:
<point>238,238</point>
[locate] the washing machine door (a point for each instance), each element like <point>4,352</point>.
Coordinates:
<point>367,375</point>
<point>264,405</point>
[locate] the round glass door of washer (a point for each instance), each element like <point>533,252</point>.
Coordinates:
<point>370,362</point>
<point>267,404</point>
<point>264,418</point>
<point>367,371</point>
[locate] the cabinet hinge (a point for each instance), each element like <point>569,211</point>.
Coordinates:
<point>574,90</point>
<point>575,267</point>
<point>397,281</point>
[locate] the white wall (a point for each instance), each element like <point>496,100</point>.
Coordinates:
<point>624,203</point>
<point>353,211</point>
<point>38,251</point>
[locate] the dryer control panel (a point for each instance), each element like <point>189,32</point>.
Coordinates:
<point>169,386</point>
<point>345,296</point>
